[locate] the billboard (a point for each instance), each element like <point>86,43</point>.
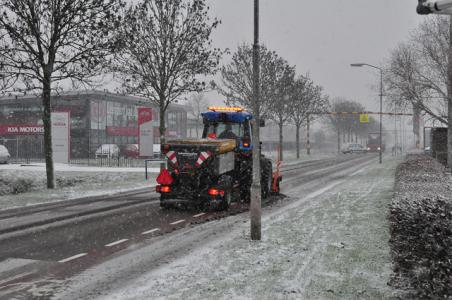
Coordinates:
<point>60,122</point>
<point>146,131</point>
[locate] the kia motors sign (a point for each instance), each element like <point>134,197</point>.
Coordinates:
<point>21,130</point>
<point>61,129</point>
<point>146,131</point>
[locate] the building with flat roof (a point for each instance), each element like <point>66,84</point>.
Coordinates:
<point>96,118</point>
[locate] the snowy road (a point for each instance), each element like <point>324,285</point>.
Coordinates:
<point>213,259</point>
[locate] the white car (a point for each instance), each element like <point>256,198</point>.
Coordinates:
<point>156,150</point>
<point>4,155</point>
<point>107,151</point>
<point>354,148</point>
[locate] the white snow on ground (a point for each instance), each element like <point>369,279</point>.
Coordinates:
<point>72,168</point>
<point>330,244</point>
<point>26,185</point>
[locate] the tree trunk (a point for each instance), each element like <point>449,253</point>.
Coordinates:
<point>46,94</point>
<point>197,127</point>
<point>449,102</point>
<point>297,134</point>
<point>338,140</point>
<point>281,141</point>
<point>162,127</point>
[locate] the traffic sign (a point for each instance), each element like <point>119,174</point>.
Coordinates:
<point>364,118</point>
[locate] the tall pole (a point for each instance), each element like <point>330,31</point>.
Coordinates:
<point>449,98</point>
<point>255,205</point>
<point>381,115</point>
<point>308,142</point>
<point>381,103</point>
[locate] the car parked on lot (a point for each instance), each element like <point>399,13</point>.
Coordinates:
<point>4,155</point>
<point>107,151</point>
<point>131,151</point>
<point>354,148</point>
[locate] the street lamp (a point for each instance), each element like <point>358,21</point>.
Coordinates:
<point>381,102</point>
<point>441,7</point>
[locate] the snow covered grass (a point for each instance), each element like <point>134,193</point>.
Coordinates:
<point>421,229</point>
<point>26,185</point>
<point>330,244</point>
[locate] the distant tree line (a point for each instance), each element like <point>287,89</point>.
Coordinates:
<point>347,126</point>
<point>286,98</point>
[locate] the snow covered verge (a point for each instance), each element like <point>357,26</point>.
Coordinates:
<point>421,229</point>
<point>26,185</point>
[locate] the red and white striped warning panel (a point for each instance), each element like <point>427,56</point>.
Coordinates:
<point>172,156</point>
<point>202,158</point>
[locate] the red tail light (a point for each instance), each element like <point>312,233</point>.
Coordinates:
<point>163,189</point>
<point>216,192</point>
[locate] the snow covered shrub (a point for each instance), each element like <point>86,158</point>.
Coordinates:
<point>421,229</point>
<point>10,185</point>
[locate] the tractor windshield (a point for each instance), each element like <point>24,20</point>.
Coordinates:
<point>225,130</point>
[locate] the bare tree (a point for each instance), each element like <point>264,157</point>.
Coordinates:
<point>346,121</point>
<point>307,104</point>
<point>165,50</point>
<point>46,41</point>
<point>417,74</point>
<point>237,78</point>
<point>279,108</point>
<point>420,72</point>
<point>198,104</point>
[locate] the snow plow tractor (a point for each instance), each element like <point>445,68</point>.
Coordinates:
<point>216,170</point>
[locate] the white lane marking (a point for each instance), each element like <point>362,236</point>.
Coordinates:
<point>116,243</point>
<point>16,277</point>
<point>177,222</point>
<point>150,231</point>
<point>199,215</point>
<point>72,257</point>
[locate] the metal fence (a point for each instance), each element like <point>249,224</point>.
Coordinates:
<point>119,162</point>
<point>440,156</point>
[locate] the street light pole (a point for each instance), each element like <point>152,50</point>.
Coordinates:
<point>381,116</point>
<point>255,195</point>
<point>381,105</point>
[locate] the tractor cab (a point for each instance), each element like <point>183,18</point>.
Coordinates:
<point>229,123</point>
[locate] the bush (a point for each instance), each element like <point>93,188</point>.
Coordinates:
<point>421,229</point>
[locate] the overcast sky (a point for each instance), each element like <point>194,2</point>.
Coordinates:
<point>322,37</point>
